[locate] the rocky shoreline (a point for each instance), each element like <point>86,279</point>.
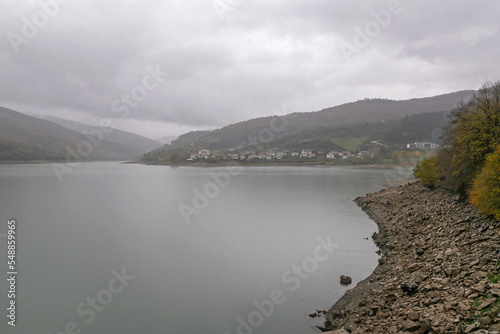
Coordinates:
<point>438,271</point>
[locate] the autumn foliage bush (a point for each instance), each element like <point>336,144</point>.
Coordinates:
<point>428,172</point>
<point>475,133</point>
<point>469,163</point>
<point>485,193</point>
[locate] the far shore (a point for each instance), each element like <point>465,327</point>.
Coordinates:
<point>317,164</point>
<point>40,162</point>
<point>277,164</point>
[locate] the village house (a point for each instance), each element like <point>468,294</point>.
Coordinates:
<point>422,146</point>
<point>363,154</point>
<point>374,151</point>
<point>346,155</point>
<point>306,153</point>
<point>204,153</point>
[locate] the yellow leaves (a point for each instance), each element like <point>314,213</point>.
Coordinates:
<point>475,134</point>
<point>485,192</point>
<point>428,172</point>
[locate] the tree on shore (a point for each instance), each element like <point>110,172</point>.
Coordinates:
<point>469,163</point>
<point>428,172</point>
<point>485,193</point>
<point>474,133</point>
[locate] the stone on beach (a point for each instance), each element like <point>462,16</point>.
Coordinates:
<point>345,280</point>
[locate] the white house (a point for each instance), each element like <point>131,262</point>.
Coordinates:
<point>204,153</point>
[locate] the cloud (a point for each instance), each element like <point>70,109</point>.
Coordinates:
<point>261,57</point>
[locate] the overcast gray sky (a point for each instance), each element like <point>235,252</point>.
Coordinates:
<point>226,61</point>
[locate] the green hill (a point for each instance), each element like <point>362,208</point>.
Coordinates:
<point>25,138</point>
<point>391,133</point>
<point>370,110</point>
<point>132,140</point>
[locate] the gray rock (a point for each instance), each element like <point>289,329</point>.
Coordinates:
<point>409,325</point>
<point>345,280</point>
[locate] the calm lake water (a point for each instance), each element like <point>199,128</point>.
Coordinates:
<point>108,250</point>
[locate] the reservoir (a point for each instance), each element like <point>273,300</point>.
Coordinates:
<point>124,248</point>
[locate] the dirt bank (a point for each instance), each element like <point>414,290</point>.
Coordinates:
<point>438,271</point>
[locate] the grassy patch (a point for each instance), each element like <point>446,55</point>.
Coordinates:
<point>350,143</point>
<point>494,278</point>
<point>305,140</point>
<point>478,301</point>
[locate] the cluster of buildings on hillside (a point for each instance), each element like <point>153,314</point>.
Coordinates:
<point>279,155</point>
<point>304,154</point>
<point>422,146</point>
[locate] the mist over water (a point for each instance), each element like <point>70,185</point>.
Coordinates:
<point>77,238</point>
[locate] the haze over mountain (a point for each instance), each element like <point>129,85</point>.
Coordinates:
<point>349,125</point>
<point>132,140</point>
<point>24,138</point>
<point>258,57</point>
<point>167,139</point>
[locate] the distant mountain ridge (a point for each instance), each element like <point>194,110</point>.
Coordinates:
<point>25,138</point>
<point>129,139</point>
<point>369,110</point>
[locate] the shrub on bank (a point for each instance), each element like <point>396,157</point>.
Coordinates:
<point>485,192</point>
<point>428,172</point>
<point>474,134</point>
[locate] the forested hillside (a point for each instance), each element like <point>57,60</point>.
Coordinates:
<point>470,163</point>
<point>132,140</point>
<point>25,138</point>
